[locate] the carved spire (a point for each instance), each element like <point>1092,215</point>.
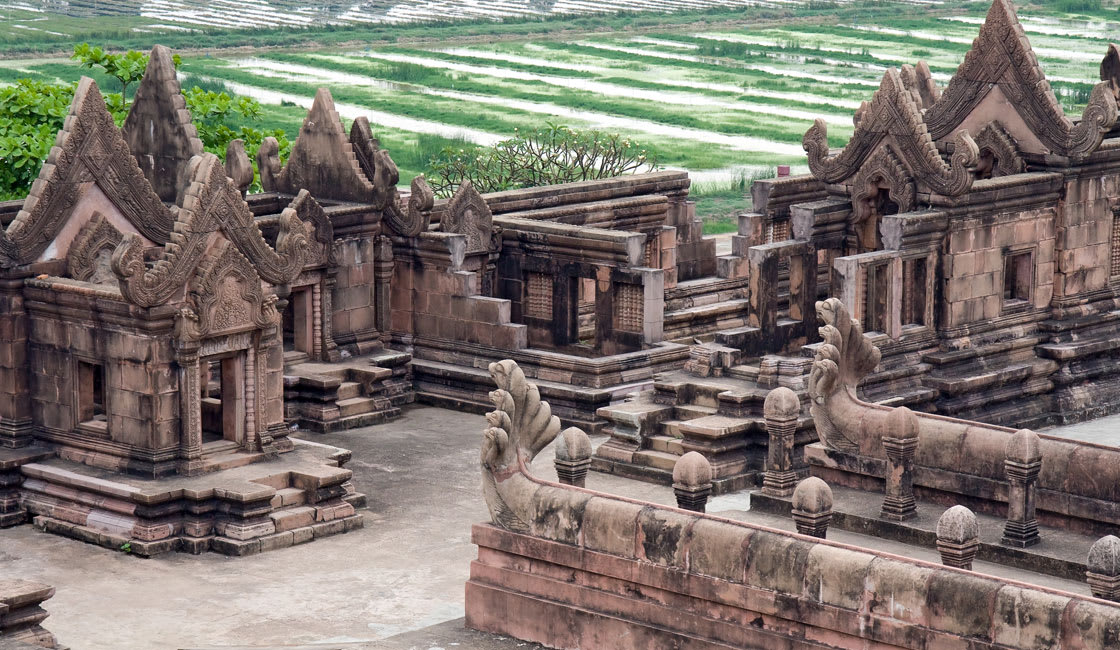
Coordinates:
<point>158,128</point>
<point>1001,56</point>
<point>893,118</point>
<point>211,203</point>
<point>468,214</point>
<point>88,149</point>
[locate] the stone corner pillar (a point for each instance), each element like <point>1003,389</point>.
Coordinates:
<point>900,441</point>
<point>958,537</point>
<point>781,409</point>
<point>812,507</point>
<point>692,481</point>
<point>573,456</point>
<point>1022,465</point>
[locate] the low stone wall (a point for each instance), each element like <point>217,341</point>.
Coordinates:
<point>600,572</point>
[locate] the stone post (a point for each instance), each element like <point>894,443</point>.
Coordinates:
<point>1022,464</point>
<point>692,481</point>
<point>1104,568</point>
<point>780,410</point>
<point>958,537</point>
<point>900,441</point>
<point>812,507</point>
<point>573,456</point>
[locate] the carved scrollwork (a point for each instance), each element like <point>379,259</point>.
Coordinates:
<point>1005,154</point>
<point>96,237</point>
<point>884,168</point>
<point>227,294</point>
<point>311,214</point>
<point>893,116</point>
<point>1001,56</point>
<point>519,428</point>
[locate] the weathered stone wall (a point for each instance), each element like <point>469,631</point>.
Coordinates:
<point>355,297</point>
<point>1083,231</point>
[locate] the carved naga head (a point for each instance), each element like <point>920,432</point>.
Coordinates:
<point>521,424</point>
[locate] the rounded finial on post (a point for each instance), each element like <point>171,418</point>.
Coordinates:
<point>958,537</point>
<point>1024,447</point>
<point>781,404</point>
<point>573,456</point>
<point>692,481</point>
<point>812,507</point>
<point>902,424</point>
<point>1103,575</point>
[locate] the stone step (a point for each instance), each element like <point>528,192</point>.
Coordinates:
<point>690,411</point>
<point>671,428</point>
<point>292,518</point>
<point>292,357</point>
<point>287,497</point>
<point>715,426</point>
<point>356,406</point>
<point>745,372</point>
<point>667,444</point>
<point>349,390</point>
<point>657,459</point>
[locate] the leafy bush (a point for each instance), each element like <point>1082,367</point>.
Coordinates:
<point>31,113</point>
<point>555,154</point>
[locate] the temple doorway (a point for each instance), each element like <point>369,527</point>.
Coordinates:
<point>223,402</point>
<point>299,324</point>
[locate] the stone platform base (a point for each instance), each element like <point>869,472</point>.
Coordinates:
<point>356,392</point>
<point>1060,553</point>
<point>22,615</point>
<point>664,475</point>
<point>302,495</point>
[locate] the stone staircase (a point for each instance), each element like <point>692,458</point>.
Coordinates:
<point>356,392</point>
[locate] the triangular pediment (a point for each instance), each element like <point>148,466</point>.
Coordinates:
<point>894,118</point>
<point>1002,58</point>
<point>158,128</point>
<point>88,150</point>
<point>212,211</point>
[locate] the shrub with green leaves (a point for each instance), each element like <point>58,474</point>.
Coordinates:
<point>31,113</point>
<point>554,154</point>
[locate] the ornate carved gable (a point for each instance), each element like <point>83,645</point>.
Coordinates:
<point>999,155</point>
<point>1001,57</point>
<point>158,128</point>
<point>211,204</point>
<point>467,214</point>
<point>90,254</point>
<point>88,149</point>
<point>919,81</point>
<point>227,296</point>
<point>318,226</point>
<point>893,119</point>
<point>380,169</point>
<point>323,160</point>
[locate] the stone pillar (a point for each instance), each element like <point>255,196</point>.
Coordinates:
<point>383,276</point>
<point>15,394</point>
<point>692,481</point>
<point>190,409</point>
<point>22,615</point>
<point>958,537</point>
<point>781,410</point>
<point>326,310</point>
<point>900,441</point>
<point>1104,568</point>
<point>573,456</point>
<point>1022,464</point>
<point>812,507</point>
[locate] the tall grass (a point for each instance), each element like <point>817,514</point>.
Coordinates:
<point>736,186</point>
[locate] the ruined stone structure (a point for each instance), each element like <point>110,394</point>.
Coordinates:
<point>573,568</point>
<point>142,337</point>
<point>969,229</point>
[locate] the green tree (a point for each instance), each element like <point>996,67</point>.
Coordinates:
<point>554,154</point>
<point>31,113</point>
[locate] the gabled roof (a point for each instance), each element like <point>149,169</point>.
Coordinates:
<point>211,205</point>
<point>1001,56</point>
<point>893,118</point>
<point>158,128</point>
<point>89,148</point>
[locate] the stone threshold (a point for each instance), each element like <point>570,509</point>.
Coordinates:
<point>1060,553</point>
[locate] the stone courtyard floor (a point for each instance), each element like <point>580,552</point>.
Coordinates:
<point>396,584</point>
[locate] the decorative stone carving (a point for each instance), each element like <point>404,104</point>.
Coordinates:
<point>900,440</point>
<point>919,81</point>
<point>158,129</point>
<point>692,481</point>
<point>573,456</point>
<point>1103,574</point>
<point>227,295</point>
<point>844,357</point>
<point>238,167</point>
<point>90,253</point>
<point>1110,69</point>
<point>1022,465</point>
<point>211,203</point>
<point>377,166</point>
<point>1001,56</point>
<point>268,164</point>
<point>467,214</point>
<point>520,427</point>
<point>320,229</point>
<point>812,507</point>
<point>419,210</point>
<point>781,410</point>
<point>893,119</point>
<point>88,149</point>
<point>958,537</point>
<point>999,155</point>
